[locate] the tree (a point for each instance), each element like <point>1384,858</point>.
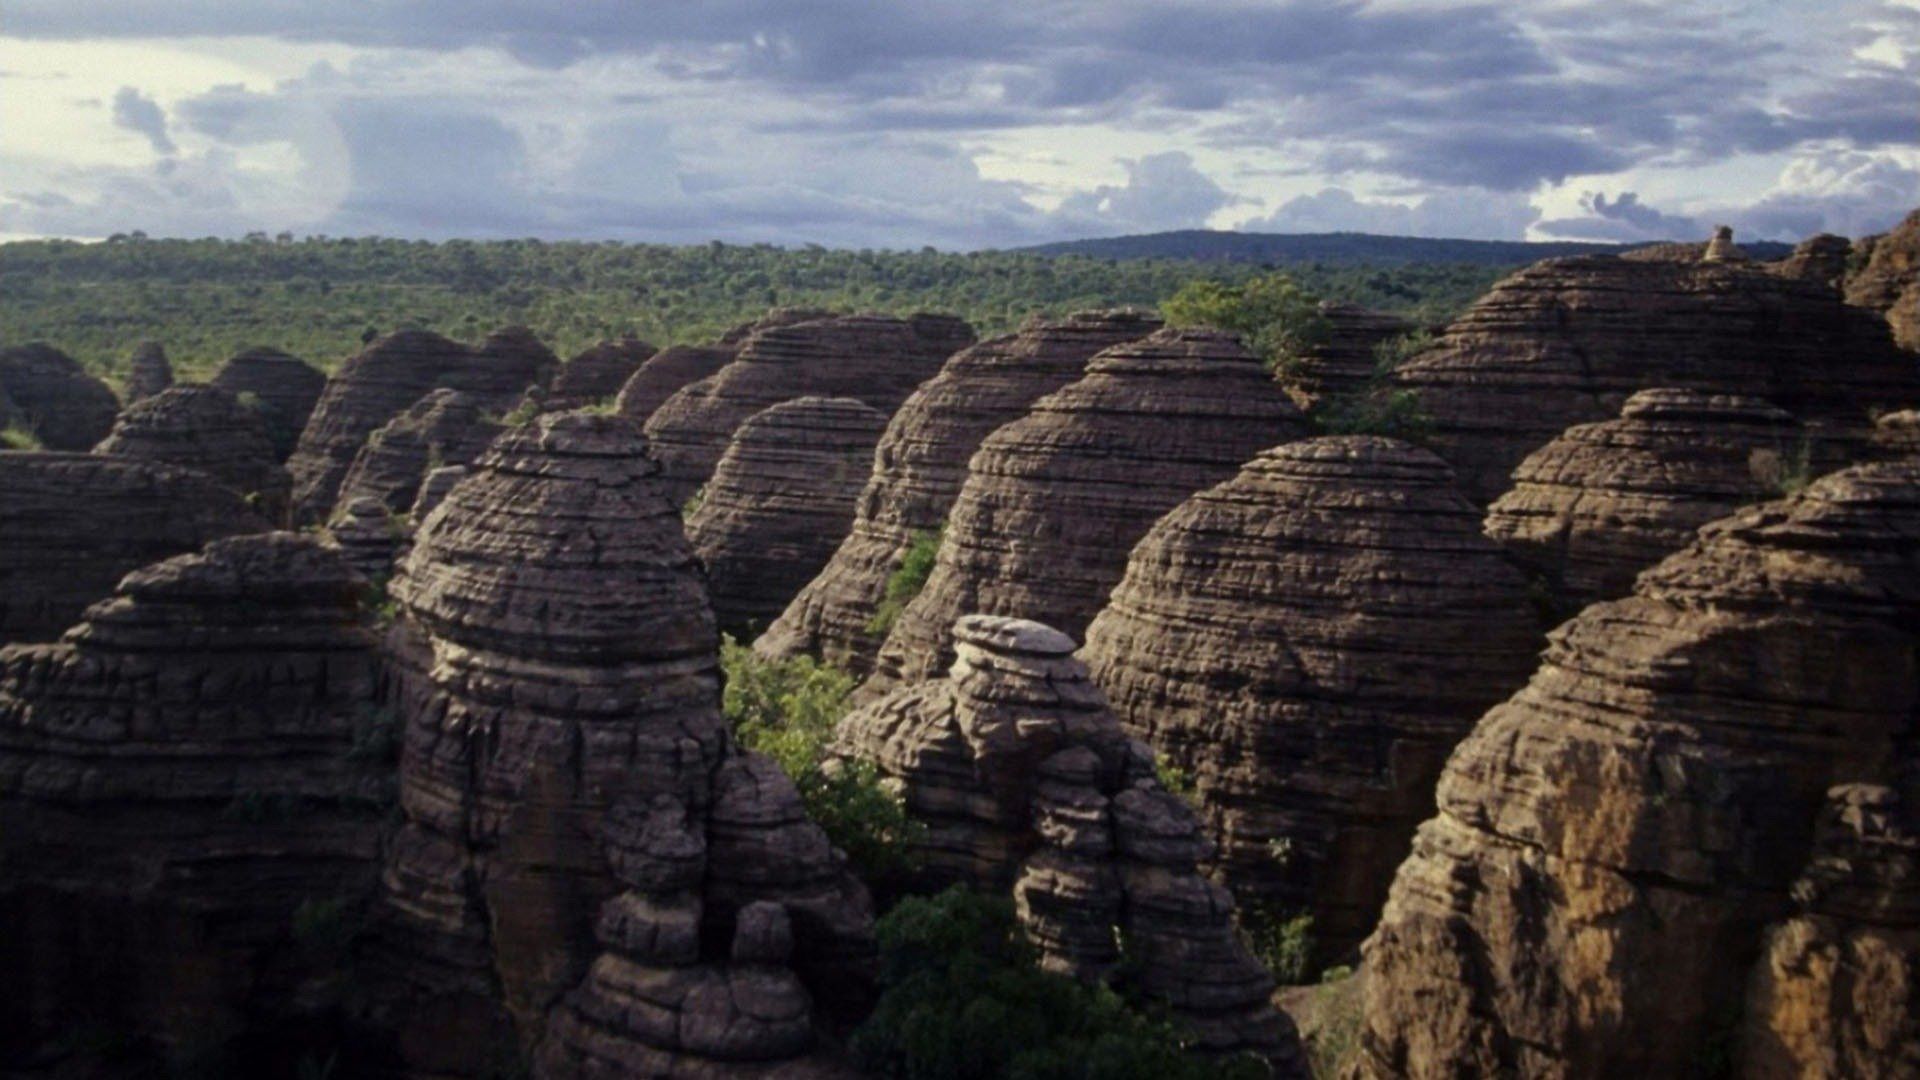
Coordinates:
<point>1275,316</point>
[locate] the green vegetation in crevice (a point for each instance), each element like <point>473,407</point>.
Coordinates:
<point>907,579</point>
<point>18,436</point>
<point>1381,407</point>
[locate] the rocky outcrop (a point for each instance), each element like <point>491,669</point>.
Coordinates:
<point>1341,363</point>
<point>206,429</point>
<point>434,489</point>
<point>64,406</point>
<point>1054,501</point>
<point>368,536</point>
<point>181,785</point>
<point>919,468</point>
<point>446,427</point>
<point>1722,248</point>
<point>385,379</point>
<point>148,371</point>
<point>1566,341</point>
<point>1026,783</point>
<point>583,846</point>
<point>1890,281</point>
<point>1594,507</point>
<point>72,524</point>
<point>1307,642</point>
<point>595,373</point>
<point>779,503</point>
<point>283,389</point>
<point>1614,840</point>
<point>665,372</point>
<point>1819,260</point>
<point>877,359</point>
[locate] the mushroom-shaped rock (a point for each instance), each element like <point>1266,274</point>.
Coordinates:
<point>596,373</point>
<point>281,388</point>
<point>66,408</point>
<point>178,778</point>
<point>875,358</point>
<point>71,525</point>
<point>1613,840</point>
<point>1308,641</point>
<point>148,371</point>
<point>1054,501</point>
<point>919,468</point>
<point>207,429</point>
<point>1026,782</point>
<point>446,427</point>
<point>1343,361</point>
<point>779,503</point>
<point>1594,507</point>
<point>663,375</point>
<point>1890,281</point>
<point>1567,341</point>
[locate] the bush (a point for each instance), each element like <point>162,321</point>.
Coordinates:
<point>692,505</point>
<point>1275,317</point>
<point>907,579</point>
<point>1783,474</point>
<point>18,436</point>
<point>1394,414</point>
<point>1282,941</point>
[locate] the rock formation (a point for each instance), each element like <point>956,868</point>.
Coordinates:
<point>664,373</point>
<point>919,467</point>
<point>388,377</point>
<point>585,851</point>
<point>446,427</point>
<point>1343,362</point>
<point>1897,434</point>
<point>368,536</point>
<point>877,359</point>
<point>72,524</point>
<point>779,503</point>
<point>434,489</point>
<point>207,429</point>
<point>1820,260</point>
<point>179,785</point>
<point>64,406</point>
<point>282,388</point>
<point>1613,841</point>
<point>1307,641</point>
<point>1026,782</point>
<point>148,371</point>
<point>1566,341</point>
<point>1722,248</point>
<point>1591,509</point>
<point>1890,281</point>
<point>595,373</point>
<point>1054,501</point>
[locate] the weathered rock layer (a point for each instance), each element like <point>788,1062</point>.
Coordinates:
<point>282,388</point>
<point>206,429</point>
<point>66,408</point>
<point>1890,281</point>
<point>148,371</point>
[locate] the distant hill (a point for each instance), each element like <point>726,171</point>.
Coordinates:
<point>1341,248</point>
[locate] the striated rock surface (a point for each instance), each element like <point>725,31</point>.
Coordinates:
<point>665,372</point>
<point>919,468</point>
<point>1307,641</point>
<point>178,781</point>
<point>368,536</point>
<point>72,524</point>
<point>1890,281</point>
<point>1820,260</point>
<point>148,371</point>
<point>434,489</point>
<point>282,388</point>
<point>386,378</point>
<point>779,503</point>
<point>583,843</point>
<point>66,407</point>
<point>877,359</point>
<point>596,373</point>
<point>1591,509</point>
<point>1026,782</point>
<point>207,429</point>
<point>1055,501</point>
<point>1343,363</point>
<point>1613,841</point>
<point>1566,341</point>
<point>446,427</point>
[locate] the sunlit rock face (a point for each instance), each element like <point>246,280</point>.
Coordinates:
<point>1612,871</point>
<point>1889,282</point>
<point>282,389</point>
<point>206,429</point>
<point>54,397</point>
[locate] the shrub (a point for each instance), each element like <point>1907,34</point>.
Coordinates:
<point>1175,779</point>
<point>1388,355</point>
<point>18,436</point>
<point>1783,474</point>
<point>692,505</point>
<point>1281,940</point>
<point>1394,414</point>
<point>522,414</point>
<point>907,579</point>
<point>1275,317</point>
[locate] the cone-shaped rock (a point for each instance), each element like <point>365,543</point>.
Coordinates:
<point>1890,281</point>
<point>1055,501</point>
<point>447,427</point>
<point>148,371</point>
<point>71,525</point>
<point>875,358</point>
<point>665,372</point>
<point>779,503</point>
<point>1342,362</point>
<point>596,373</point>
<point>1594,507</point>
<point>920,466</point>
<point>282,388</point>
<point>1613,841</point>
<point>64,406</point>
<point>1567,341</point>
<point>1026,782</point>
<point>204,428</point>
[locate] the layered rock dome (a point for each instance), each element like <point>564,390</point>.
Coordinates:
<point>663,375</point>
<point>281,387</point>
<point>446,427</point>
<point>206,429</point>
<point>595,373</point>
<point>66,408</point>
<point>1890,281</point>
<point>148,371</point>
<point>1343,362</point>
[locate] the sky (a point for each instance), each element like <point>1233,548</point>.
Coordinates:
<point>990,123</point>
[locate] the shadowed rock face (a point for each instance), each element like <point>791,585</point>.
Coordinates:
<point>664,373</point>
<point>779,503</point>
<point>877,359</point>
<point>580,830</point>
<point>177,779</point>
<point>66,407</point>
<point>447,427</point>
<point>1594,507</point>
<point>72,524</point>
<point>1308,641</point>
<point>1820,260</point>
<point>282,388</point>
<point>1613,841</point>
<point>920,466</point>
<point>1026,782</point>
<point>1890,281</point>
<point>596,372</point>
<point>207,429</point>
<point>1567,341</point>
<point>1343,363</point>
<point>148,371</point>
<point>386,378</point>
<point>1054,501</point>
<point>1897,434</point>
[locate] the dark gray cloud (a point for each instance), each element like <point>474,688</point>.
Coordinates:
<point>139,113</point>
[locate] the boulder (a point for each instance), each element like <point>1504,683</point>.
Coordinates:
<point>1342,363</point>
<point>446,427</point>
<point>283,389</point>
<point>1889,282</point>
<point>148,371</point>
<point>1307,642</point>
<point>779,503</point>
<point>1054,501</point>
<point>64,406</point>
<point>206,429</point>
<point>920,465</point>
